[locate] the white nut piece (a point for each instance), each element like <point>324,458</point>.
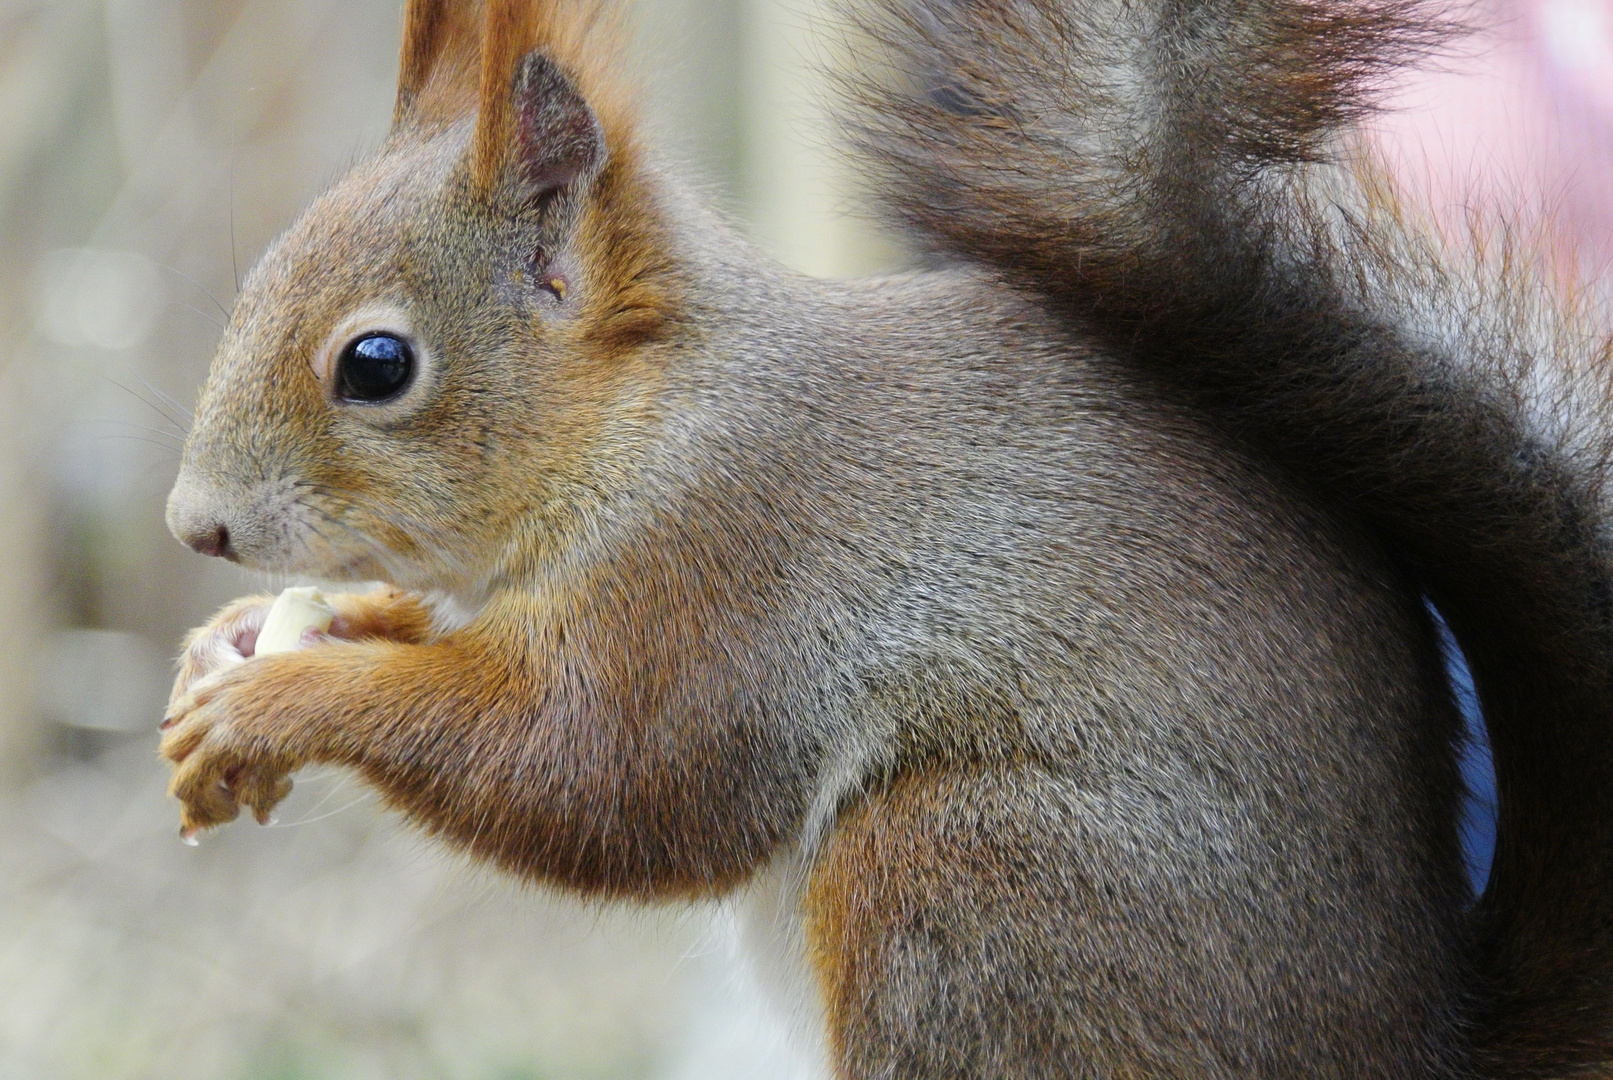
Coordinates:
<point>294,611</point>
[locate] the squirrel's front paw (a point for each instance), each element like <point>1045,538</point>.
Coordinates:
<point>227,639</point>
<point>226,751</point>
<point>231,636</point>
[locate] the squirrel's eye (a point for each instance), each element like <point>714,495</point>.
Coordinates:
<point>374,368</point>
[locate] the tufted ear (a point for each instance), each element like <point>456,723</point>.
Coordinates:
<point>440,65</point>
<point>536,136</point>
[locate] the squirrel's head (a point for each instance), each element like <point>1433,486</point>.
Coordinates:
<point>450,355</point>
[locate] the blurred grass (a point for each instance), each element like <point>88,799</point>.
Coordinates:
<point>333,943</point>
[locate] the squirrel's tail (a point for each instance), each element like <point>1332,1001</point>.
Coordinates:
<point>1167,174</point>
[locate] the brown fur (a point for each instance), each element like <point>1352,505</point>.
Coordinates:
<point>584,37</point>
<point>1060,615</point>
<point>1243,258</point>
<point>438,65</point>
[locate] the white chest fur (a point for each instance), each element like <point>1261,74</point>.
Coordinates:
<point>768,928</point>
<point>757,1014</point>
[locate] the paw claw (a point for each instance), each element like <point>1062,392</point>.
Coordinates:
<point>180,740</point>
<point>263,791</point>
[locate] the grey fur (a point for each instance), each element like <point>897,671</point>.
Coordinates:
<point>1061,611</point>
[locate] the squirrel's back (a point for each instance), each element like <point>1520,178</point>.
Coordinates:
<point>1186,189</point>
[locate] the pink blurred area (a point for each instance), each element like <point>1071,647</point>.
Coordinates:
<point>1516,120</point>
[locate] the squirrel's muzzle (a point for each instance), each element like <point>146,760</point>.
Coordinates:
<point>211,541</point>
<point>197,524</point>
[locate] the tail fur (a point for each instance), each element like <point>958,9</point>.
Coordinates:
<point>1176,179</point>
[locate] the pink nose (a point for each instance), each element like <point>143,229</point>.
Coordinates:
<point>210,540</point>
<point>197,516</point>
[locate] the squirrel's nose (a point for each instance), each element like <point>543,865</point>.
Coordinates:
<point>195,520</point>
<point>210,540</point>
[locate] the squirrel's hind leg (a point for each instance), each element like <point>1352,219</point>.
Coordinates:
<point>1009,923</point>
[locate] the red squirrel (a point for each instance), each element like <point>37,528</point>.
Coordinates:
<point>1046,629</point>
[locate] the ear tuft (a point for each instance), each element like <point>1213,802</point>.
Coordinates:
<point>551,96</point>
<point>439,66</point>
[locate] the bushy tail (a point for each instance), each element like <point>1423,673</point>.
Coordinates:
<point>1165,174</point>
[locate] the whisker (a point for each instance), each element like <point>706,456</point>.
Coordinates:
<point>170,401</point>
<point>181,428</point>
<point>205,291</point>
<point>198,311</point>
<point>235,265</point>
<point>335,783</point>
<point>170,438</point>
<point>150,442</point>
<point>366,797</point>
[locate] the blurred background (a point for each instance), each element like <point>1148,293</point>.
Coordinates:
<point>148,150</point>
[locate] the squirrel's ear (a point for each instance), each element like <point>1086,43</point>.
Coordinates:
<point>438,71</point>
<point>545,140</point>
<point>535,132</point>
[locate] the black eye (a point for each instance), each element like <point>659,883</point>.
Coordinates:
<point>374,368</point>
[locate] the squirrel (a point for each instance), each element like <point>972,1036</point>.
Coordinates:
<point>1053,617</point>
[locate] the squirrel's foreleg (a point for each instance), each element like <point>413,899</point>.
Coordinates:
<point>505,739</point>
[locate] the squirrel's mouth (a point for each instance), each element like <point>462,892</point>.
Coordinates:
<point>274,527</point>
